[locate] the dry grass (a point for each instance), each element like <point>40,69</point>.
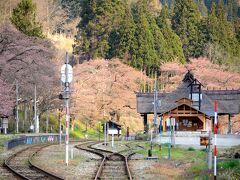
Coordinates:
<point>61,42</point>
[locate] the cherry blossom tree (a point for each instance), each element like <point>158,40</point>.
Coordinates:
<point>6,99</point>
<point>29,61</point>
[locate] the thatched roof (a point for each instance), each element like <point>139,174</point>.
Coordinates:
<point>228,100</point>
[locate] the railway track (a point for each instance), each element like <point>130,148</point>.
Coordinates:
<point>21,165</point>
<point>114,165</point>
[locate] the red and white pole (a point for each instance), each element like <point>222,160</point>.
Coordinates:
<point>215,139</point>
<point>67,130</point>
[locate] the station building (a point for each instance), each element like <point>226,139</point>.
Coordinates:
<point>191,107</point>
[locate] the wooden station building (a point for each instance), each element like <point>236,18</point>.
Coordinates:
<point>191,107</point>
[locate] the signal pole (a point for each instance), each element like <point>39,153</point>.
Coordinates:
<point>215,139</point>
<point>66,78</point>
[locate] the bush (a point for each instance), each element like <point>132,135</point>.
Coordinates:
<point>191,149</point>
<point>142,137</point>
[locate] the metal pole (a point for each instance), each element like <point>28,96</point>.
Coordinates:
<point>67,109</point>
<point>47,120</point>
<point>35,110</point>
<point>173,132</point>
<point>112,139</point>
<point>151,141</point>
<point>25,117</point>
<point>160,130</point>
<point>17,118</point>
<point>169,136</point>
<point>215,139</point>
<point>105,134</point>
<point>210,150</point>
<point>60,129</point>
<point>155,105</point>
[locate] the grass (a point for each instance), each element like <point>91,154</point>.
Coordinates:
<point>80,132</point>
<point>175,153</point>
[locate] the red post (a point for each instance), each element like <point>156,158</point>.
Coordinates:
<point>215,139</point>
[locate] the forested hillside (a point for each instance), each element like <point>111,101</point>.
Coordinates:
<point>145,34</point>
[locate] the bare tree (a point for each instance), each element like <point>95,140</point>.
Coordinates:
<point>29,61</point>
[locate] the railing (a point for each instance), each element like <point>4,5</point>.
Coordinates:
<point>32,140</point>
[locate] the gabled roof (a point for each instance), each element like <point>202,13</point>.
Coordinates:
<point>184,98</point>
<point>228,100</point>
<point>185,105</point>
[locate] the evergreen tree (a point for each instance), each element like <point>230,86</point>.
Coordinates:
<point>222,36</point>
<point>173,43</point>
<point>122,36</point>
<point>185,23</point>
<point>202,8</point>
<point>24,18</point>
<point>143,50</point>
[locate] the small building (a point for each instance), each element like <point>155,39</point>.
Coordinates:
<point>114,128</point>
<point>189,105</point>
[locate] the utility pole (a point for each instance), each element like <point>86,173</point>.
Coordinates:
<point>160,130</point>
<point>209,150</point>
<point>17,118</point>
<point>169,134</point>
<point>47,121</point>
<point>155,105</point>
<point>24,116</point>
<point>105,134</point>
<point>60,126</point>
<point>36,121</point>
<point>99,129</point>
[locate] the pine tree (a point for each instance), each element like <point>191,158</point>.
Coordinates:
<point>24,18</point>
<point>185,23</point>
<point>173,43</point>
<point>222,37</point>
<point>202,8</point>
<point>143,50</point>
<point>122,36</point>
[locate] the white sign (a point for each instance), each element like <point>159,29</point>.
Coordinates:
<point>68,68</point>
<point>113,131</point>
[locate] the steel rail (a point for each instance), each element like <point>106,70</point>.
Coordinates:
<point>89,147</point>
<point>31,166</point>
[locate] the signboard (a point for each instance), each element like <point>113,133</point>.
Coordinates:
<point>68,68</point>
<point>204,141</point>
<point>114,131</point>
<point>4,123</point>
